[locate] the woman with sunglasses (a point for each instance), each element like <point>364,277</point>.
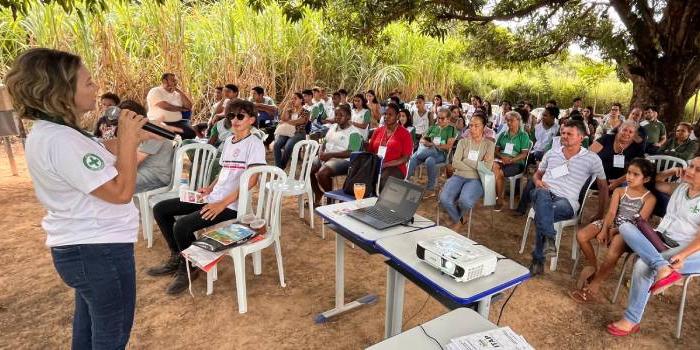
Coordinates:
<point>241,150</point>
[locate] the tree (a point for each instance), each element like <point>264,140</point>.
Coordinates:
<point>656,43</point>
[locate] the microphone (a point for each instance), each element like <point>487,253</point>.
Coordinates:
<point>112,114</point>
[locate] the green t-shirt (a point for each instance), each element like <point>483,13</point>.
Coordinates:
<point>655,130</point>
<point>520,141</point>
<point>318,113</point>
<point>439,136</point>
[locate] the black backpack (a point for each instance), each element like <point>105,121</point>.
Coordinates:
<point>363,169</point>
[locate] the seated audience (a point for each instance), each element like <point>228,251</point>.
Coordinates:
<point>341,139</point>
<point>374,107</point>
<point>406,121</point>
<point>433,149</point>
<point>616,150</point>
<point>681,146</point>
<point>654,271</point>
<point>393,143</point>
<point>361,115</point>
<point>545,131</point>
<point>168,103</point>
<point>106,100</point>
<point>612,121</point>
<point>558,182</point>
<point>291,129</point>
<point>463,189</point>
<point>636,199</point>
<point>511,151</point>
<point>179,220</point>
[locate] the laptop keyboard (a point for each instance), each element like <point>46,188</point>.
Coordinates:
<point>386,217</point>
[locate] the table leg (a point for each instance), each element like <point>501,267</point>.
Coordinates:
<point>394,303</point>
<point>340,306</point>
<point>484,306</point>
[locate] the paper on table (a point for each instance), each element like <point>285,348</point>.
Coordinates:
<point>202,258</point>
<point>501,338</point>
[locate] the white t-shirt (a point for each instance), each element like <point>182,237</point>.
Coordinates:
<point>341,140</point>
<point>682,219</point>
<point>544,136</point>
<point>65,167</point>
<point>421,122</point>
<point>158,94</point>
<point>361,116</point>
<point>235,159</point>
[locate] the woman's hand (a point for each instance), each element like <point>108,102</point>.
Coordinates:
<point>212,210</point>
<point>130,126</point>
<point>602,236</point>
<point>204,190</point>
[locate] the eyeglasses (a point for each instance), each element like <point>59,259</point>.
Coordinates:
<point>239,116</point>
<point>442,118</point>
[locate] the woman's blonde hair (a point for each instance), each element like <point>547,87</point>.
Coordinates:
<point>43,81</point>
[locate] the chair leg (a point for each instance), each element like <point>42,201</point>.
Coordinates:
<point>574,245</point>
<point>310,194</point>
<point>469,226</point>
<point>301,206</point>
<point>525,234</point>
<point>280,266</point>
<point>239,270</point>
<point>622,276</point>
<point>511,203</point>
<point>211,277</point>
<point>149,225</point>
<point>142,212</point>
<point>555,259</point>
<point>681,309</point>
<point>257,263</point>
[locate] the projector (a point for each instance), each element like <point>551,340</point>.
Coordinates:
<point>457,257</point>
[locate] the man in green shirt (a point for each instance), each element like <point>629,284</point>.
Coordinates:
<point>512,147</point>
<point>433,149</point>
<point>656,131</point>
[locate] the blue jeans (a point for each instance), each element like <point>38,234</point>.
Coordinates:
<point>465,192</point>
<point>104,279</point>
<point>284,145</point>
<point>644,272</point>
<point>430,156</point>
<point>549,209</point>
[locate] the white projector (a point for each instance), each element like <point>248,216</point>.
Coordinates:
<point>457,257</point>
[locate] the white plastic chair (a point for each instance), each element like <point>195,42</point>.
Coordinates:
<point>561,225</point>
<point>142,198</point>
<point>664,163</point>
<point>299,183</point>
<point>267,207</point>
<point>203,156</point>
<point>512,181</point>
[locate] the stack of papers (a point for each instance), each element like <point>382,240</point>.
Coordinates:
<point>202,258</point>
<point>501,338</point>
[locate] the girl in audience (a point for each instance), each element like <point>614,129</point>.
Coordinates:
<point>361,115</point>
<point>636,199</point>
<point>654,271</point>
<point>179,220</point>
<point>456,101</point>
<point>393,143</point>
<point>406,121</point>
<point>421,117</point>
<point>589,119</point>
<point>373,106</point>
<point>437,105</point>
<point>463,189</point>
<point>297,117</point>
<point>613,121</point>
<point>486,106</point>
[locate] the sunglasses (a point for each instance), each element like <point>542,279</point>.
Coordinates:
<point>239,116</point>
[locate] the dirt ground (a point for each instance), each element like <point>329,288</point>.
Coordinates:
<point>36,306</point>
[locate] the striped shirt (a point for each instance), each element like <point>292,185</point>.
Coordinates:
<point>580,167</point>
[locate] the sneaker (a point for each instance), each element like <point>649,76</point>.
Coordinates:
<point>168,268</point>
<point>180,283</point>
<point>550,247</point>
<point>498,207</point>
<point>536,268</point>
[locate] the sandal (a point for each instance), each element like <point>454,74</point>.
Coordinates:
<point>586,276</point>
<point>617,332</point>
<point>659,286</point>
<point>583,296</point>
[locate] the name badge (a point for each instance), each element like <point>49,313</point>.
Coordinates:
<point>509,148</point>
<point>381,152</point>
<point>560,171</point>
<point>473,155</point>
<point>619,161</point>
<point>644,123</point>
<point>437,140</point>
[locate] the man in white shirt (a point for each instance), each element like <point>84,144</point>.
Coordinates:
<point>545,131</point>
<point>168,102</point>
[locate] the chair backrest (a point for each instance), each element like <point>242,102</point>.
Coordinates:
<point>309,151</point>
<point>664,163</point>
<point>583,195</point>
<point>202,158</point>
<point>268,202</point>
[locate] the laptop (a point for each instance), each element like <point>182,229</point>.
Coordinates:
<point>396,205</point>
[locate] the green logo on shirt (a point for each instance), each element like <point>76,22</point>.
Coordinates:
<point>93,162</point>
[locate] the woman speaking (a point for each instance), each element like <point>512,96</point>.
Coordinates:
<point>91,224</point>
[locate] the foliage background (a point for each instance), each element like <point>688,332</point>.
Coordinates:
<point>207,44</point>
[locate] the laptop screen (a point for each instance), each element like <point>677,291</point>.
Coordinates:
<point>400,196</point>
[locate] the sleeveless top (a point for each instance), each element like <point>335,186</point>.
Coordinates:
<point>628,208</point>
